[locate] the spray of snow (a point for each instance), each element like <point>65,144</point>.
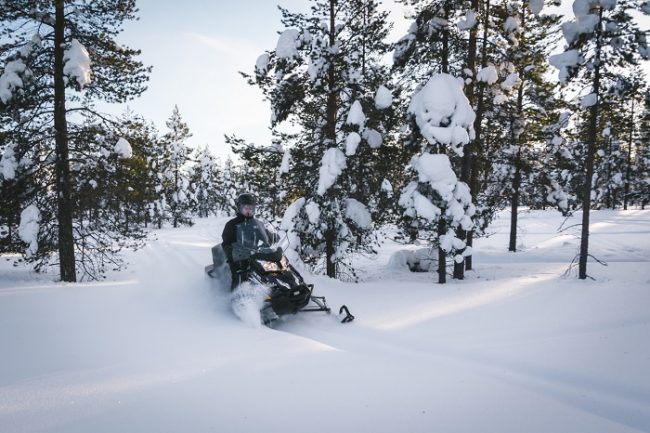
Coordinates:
<point>77,63</point>
<point>332,166</point>
<point>123,149</point>
<point>10,79</point>
<point>246,302</point>
<point>30,218</point>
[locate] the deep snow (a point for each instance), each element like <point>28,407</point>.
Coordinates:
<point>516,347</point>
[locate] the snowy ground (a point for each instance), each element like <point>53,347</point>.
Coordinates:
<point>516,347</point>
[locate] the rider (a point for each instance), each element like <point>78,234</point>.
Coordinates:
<point>243,233</point>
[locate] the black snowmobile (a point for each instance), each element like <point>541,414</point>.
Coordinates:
<point>288,292</point>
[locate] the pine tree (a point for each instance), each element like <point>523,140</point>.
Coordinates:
<point>326,77</point>
<point>205,177</point>
<point>524,102</point>
<point>602,39</point>
<point>55,53</point>
<point>172,167</point>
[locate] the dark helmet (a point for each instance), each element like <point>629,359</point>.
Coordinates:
<point>246,199</point>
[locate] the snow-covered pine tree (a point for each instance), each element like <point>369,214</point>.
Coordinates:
<point>173,167</point>
<point>524,103</point>
<point>325,76</point>
<point>261,168</point>
<point>436,202</point>
<point>601,40</point>
<point>205,177</point>
<point>52,54</point>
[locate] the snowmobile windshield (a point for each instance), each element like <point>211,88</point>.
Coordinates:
<point>251,234</point>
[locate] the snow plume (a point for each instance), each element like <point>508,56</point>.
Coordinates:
<point>10,79</point>
<point>123,149</point>
<point>8,163</point>
<point>247,300</point>
<point>358,213</point>
<point>442,102</point>
<point>332,166</point>
<point>30,218</point>
<point>288,44</point>
<point>77,63</point>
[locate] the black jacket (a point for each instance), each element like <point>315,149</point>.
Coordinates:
<point>235,228</point>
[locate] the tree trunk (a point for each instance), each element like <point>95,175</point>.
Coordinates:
<point>63,187</point>
<point>628,168</point>
<point>516,128</point>
<point>514,203</point>
<point>442,255</point>
<point>591,151</point>
<point>330,137</point>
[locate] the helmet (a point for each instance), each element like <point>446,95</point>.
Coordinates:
<point>246,199</point>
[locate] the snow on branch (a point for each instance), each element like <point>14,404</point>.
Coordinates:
<point>77,63</point>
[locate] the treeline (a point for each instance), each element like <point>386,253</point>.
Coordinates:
<point>468,118</point>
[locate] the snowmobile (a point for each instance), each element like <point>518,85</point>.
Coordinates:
<point>287,291</point>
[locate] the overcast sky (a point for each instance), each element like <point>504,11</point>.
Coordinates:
<point>196,49</point>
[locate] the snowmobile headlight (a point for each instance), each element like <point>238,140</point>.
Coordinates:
<point>271,267</point>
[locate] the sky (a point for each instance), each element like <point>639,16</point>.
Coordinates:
<point>197,49</point>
